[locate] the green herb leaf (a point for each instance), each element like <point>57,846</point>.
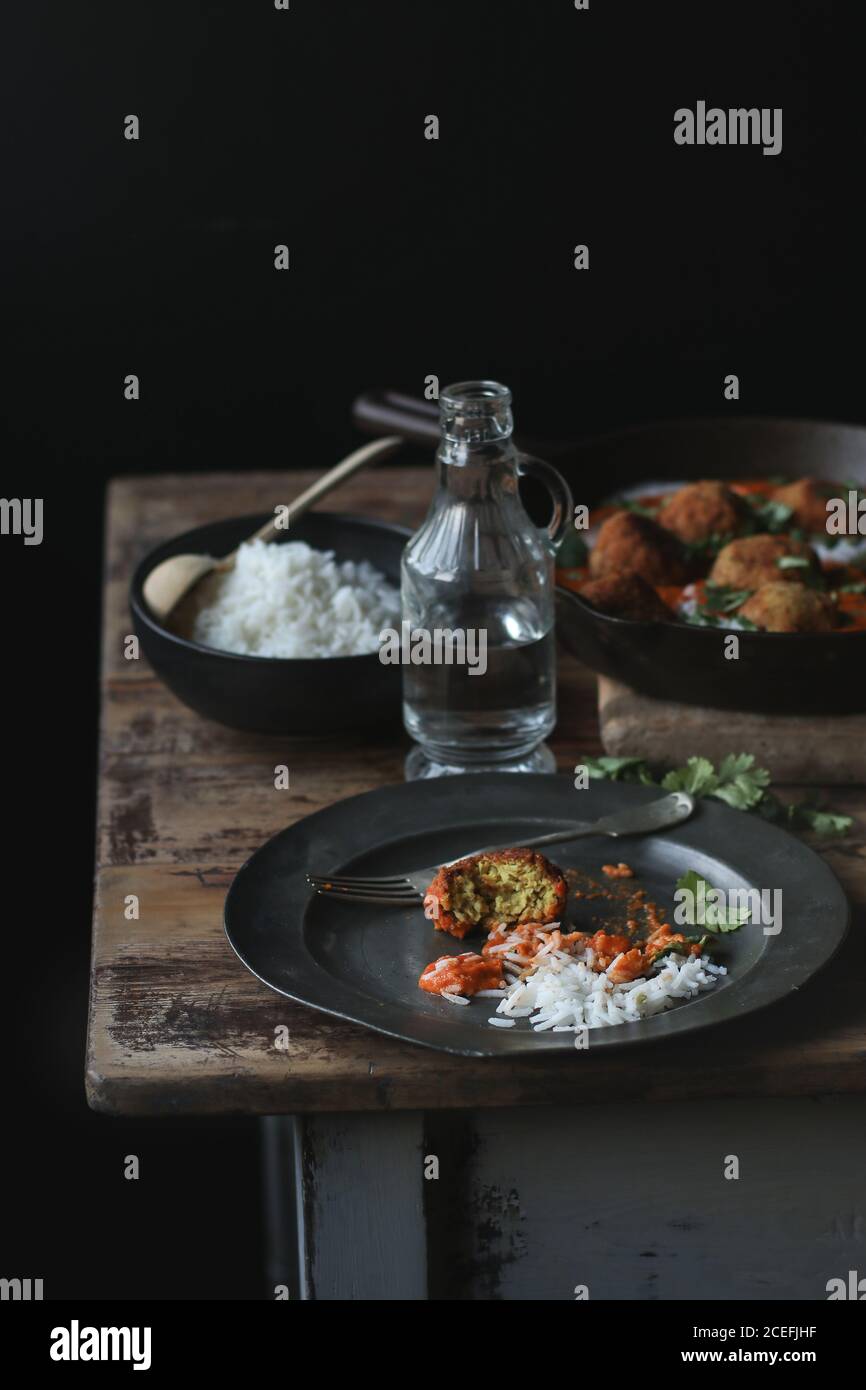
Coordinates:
<point>679,948</point>
<point>715,918</point>
<point>572,552</point>
<point>793,562</point>
<point>721,598</point>
<point>698,778</point>
<point>741,784</point>
<point>769,514</point>
<point>629,504</point>
<point>682,948</point>
<point>824,823</point>
<point>738,782</point>
<point>619,769</point>
<point>688,882</point>
<point>708,548</point>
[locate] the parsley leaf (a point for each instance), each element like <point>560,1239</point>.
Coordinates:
<point>822,822</point>
<point>803,815</point>
<point>721,598</point>
<point>619,769</point>
<point>741,784</point>
<point>716,917</point>
<point>698,778</point>
<point>681,948</point>
<point>769,514</point>
<point>738,782</point>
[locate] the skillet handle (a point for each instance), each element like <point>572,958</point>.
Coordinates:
<point>392,412</point>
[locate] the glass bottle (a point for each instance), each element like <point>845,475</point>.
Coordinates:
<point>480,570</point>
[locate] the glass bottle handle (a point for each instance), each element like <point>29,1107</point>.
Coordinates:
<point>560,494</point>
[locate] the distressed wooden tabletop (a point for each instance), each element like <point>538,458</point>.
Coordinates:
<point>177,1025</point>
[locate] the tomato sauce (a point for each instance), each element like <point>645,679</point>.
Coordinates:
<point>854,608</point>
<point>617,871</point>
<point>465,974</point>
<point>753,487</point>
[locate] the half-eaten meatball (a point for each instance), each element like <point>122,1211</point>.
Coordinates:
<point>503,886</point>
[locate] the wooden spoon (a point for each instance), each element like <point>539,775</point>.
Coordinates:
<point>173,579</point>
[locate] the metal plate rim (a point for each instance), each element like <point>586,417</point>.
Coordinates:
<point>318,989</point>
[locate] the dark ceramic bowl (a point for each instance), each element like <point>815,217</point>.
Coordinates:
<point>273,695</point>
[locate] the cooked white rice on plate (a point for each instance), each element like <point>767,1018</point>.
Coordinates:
<point>562,994</point>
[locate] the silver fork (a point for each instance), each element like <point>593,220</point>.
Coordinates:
<point>404,890</point>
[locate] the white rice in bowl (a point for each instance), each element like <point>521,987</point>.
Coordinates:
<point>562,994</point>
<point>292,601</point>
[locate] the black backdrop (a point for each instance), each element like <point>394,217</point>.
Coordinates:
<point>408,257</point>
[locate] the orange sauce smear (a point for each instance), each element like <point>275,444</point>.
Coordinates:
<point>465,974</point>
<point>617,871</point>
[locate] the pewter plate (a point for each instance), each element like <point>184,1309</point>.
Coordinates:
<point>362,963</point>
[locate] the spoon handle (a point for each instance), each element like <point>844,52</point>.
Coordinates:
<point>379,449</point>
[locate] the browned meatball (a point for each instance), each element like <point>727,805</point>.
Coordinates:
<point>497,886</point>
<point>781,607</point>
<point>701,510</point>
<point>626,596</point>
<point>807,499</point>
<point>632,544</point>
<point>754,560</point>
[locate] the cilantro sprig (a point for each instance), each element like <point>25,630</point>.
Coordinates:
<point>715,916</point>
<point>768,514</point>
<point>736,781</point>
<point>722,598</point>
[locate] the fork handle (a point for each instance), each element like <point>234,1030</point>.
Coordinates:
<point>556,837</point>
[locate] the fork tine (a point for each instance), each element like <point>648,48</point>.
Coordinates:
<point>352,881</point>
<point>356,895</point>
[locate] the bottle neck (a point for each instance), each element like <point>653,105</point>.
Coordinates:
<point>476,455</point>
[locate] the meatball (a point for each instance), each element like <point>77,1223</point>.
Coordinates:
<point>626,596</point>
<point>501,886</point>
<point>701,510</point>
<point>632,544</point>
<point>807,499</point>
<point>754,560</point>
<point>781,607</point>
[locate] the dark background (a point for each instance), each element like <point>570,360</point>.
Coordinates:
<point>408,257</point>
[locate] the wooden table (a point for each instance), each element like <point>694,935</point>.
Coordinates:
<point>178,1026</point>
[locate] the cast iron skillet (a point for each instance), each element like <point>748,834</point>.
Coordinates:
<point>807,673</point>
